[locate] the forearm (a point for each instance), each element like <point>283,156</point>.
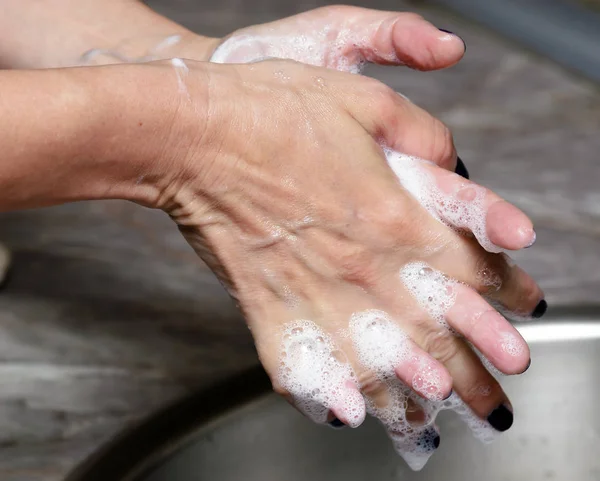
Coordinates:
<point>56,33</point>
<point>67,135</point>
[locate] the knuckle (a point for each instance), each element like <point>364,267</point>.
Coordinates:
<point>373,388</point>
<point>491,273</point>
<point>440,344</point>
<point>442,147</point>
<point>358,265</point>
<point>389,216</point>
<point>412,16</point>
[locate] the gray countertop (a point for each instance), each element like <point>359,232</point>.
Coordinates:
<point>109,315</point>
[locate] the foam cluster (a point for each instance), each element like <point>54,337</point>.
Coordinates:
<point>462,208</point>
<point>434,292</point>
<point>379,342</point>
<point>381,347</point>
<point>317,375</point>
<point>324,48</point>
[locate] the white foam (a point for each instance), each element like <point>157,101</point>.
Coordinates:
<point>434,291</point>
<point>480,428</point>
<point>461,209</point>
<point>379,342</point>
<point>317,48</point>
<point>317,375</point>
<point>415,444</point>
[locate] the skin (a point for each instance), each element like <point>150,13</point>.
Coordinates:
<point>244,160</point>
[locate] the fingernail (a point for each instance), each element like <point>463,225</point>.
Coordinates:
<point>452,33</point>
<point>532,240</point>
<point>336,423</point>
<point>436,441</point>
<point>461,169</point>
<point>527,367</point>
<point>449,395</point>
<point>540,309</point>
<point>501,418</point>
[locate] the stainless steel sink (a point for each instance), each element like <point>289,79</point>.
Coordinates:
<point>239,433</point>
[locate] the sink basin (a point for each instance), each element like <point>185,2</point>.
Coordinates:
<point>235,433</point>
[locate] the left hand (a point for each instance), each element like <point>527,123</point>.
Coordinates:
<point>345,37</point>
<point>337,37</point>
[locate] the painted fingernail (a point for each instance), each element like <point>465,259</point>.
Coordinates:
<point>532,240</point>
<point>436,441</point>
<point>336,423</point>
<point>449,395</point>
<point>527,368</point>
<point>461,169</point>
<point>452,33</point>
<point>501,418</point>
<point>540,309</point>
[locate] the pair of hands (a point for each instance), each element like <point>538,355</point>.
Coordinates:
<point>274,172</point>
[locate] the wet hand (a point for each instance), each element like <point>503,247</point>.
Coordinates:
<point>360,271</point>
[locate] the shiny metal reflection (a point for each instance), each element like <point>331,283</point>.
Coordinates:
<point>555,437</point>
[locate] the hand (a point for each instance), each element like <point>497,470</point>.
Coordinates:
<point>349,285</point>
<point>344,38</point>
<point>336,37</point>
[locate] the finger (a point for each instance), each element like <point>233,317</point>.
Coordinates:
<point>490,218</point>
<point>399,124</point>
<point>464,205</point>
<point>519,296</point>
<point>307,368</point>
<point>405,39</point>
<point>489,332</point>
<point>353,35</point>
<point>383,350</point>
<point>503,283</point>
<point>472,382</point>
<point>436,295</point>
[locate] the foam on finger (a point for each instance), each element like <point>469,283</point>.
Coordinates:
<point>463,208</point>
<point>317,375</point>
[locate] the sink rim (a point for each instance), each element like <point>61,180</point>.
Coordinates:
<point>149,442</point>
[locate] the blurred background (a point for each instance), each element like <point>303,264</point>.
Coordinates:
<point>109,316</point>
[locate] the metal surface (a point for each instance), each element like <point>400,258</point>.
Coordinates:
<point>564,31</point>
<point>259,437</point>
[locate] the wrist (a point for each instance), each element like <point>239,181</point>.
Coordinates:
<point>179,43</point>
<point>59,33</point>
<point>152,129</point>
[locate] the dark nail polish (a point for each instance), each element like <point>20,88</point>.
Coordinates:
<point>532,241</point>
<point>336,423</point>
<point>526,369</point>
<point>449,395</point>
<point>436,442</point>
<point>461,169</point>
<point>540,309</point>
<point>452,33</point>
<point>501,418</point>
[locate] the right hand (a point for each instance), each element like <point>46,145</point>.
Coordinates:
<point>275,174</point>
